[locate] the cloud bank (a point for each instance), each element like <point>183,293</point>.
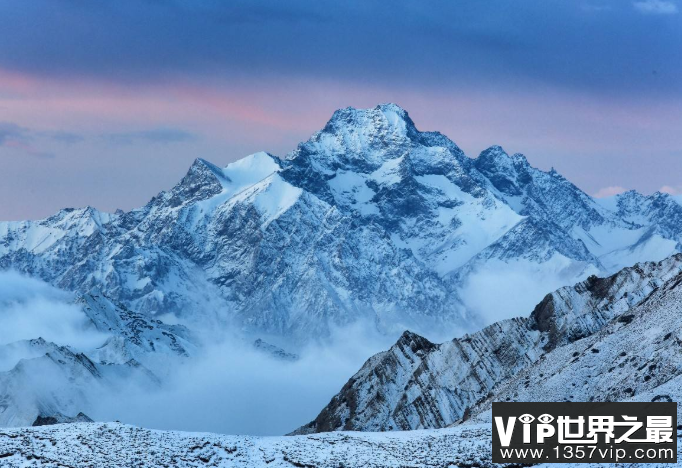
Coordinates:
<point>234,388</point>
<point>229,387</point>
<point>31,309</point>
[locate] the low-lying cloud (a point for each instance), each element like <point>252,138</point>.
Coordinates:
<point>234,388</point>
<point>229,386</point>
<point>492,292</point>
<point>609,191</point>
<point>32,309</point>
<point>671,189</point>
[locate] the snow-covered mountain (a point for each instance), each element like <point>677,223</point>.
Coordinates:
<point>368,219</point>
<point>605,339</point>
<point>39,378</point>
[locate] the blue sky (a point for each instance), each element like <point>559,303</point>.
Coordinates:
<point>106,103</point>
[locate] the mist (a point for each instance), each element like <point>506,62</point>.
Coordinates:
<point>31,309</point>
<point>502,290</point>
<point>234,388</point>
<point>228,386</point>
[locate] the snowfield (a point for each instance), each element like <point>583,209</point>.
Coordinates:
<point>117,445</point>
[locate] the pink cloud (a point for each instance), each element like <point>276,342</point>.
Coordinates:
<point>609,191</point>
<point>275,112</point>
<point>671,190</point>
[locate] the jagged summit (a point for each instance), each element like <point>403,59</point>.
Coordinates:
<point>415,342</point>
<point>364,139</point>
<point>507,173</point>
<point>203,180</point>
<point>497,155</point>
<point>384,118</point>
<point>201,165</point>
<point>258,165</point>
<point>358,139</point>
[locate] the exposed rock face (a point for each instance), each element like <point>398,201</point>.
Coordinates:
<point>274,351</point>
<point>369,219</point>
<point>604,339</point>
<point>58,418</point>
<point>134,335</point>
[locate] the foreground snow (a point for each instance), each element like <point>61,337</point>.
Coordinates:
<point>113,445</point>
<point>119,445</point>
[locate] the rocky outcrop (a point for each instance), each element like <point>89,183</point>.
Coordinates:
<point>58,418</point>
<point>274,351</point>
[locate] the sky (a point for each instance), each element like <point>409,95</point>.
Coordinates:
<point>107,103</point>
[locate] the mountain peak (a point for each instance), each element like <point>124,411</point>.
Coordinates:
<point>390,107</point>
<point>496,155</point>
<point>520,158</point>
<point>630,195</point>
<point>358,140</point>
<point>203,180</point>
<point>415,342</point>
<point>386,109</point>
<point>203,166</point>
<point>504,171</point>
<point>383,119</point>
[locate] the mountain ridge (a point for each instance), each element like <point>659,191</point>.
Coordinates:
<point>368,219</point>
